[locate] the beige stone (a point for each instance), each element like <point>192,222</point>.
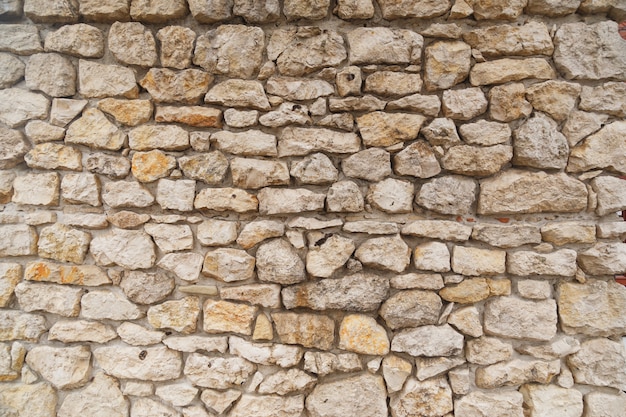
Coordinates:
<point>126,194</point>
<point>156,364</point>
<point>51,298</point>
<point>467,321</point>
<point>532,38</point>
<point>606,98</point>
<point>216,372</point>
<point>306,50</point>
<point>556,98</point>
<point>65,368</point>
<point>224,316</point>
<point>380,45</point>
<point>447,63</point>
<point>452,194</point>
<point>508,102</point>
<point>157,11</point>
<point>52,74</point>
<point>488,350</point>
<point>179,315</point>
<point>385,129</point>
<point>17,106</point>
<point>362,334</point>
<point>525,263</point>
<point>516,372</point>
<point>601,403</point>
<point>35,400</point>
<point>97,80</point>
<point>589,369</point>
<point>477,403</point>
<point>80,40</point>
<point>390,83</point>
<point>356,104</point>
<point>287,382</point>
<point>238,93</point>
<point>57,11</point>
<point>520,319</point>
<point>115,167</point>
<point>16,325</point>
<point>127,248</point>
<point>464,104</point>
<point>98,305</point>
<point>356,395</point>
<point>168,86</point>
<point>477,161</point>
<point>63,243</point>
<point>506,69</point>
<point>257,11</point>
<point>411,309</point>
<point>20,39</point>
<point>507,193</point>
<point>428,105</point>
<point>221,199</point>
<point>81,331</point>
<point>603,259</point>
<point>176,46</point>
<point>324,260</point>
<point>128,112</point>
<point>132,43</point>
<point>563,233</point>
<point>93,129</point>
<point>10,275</point>
<point>165,137</point>
<point>386,253</point>
<point>539,144</point>
<point>391,196</point>
<point>600,150</point>
<point>438,229</point>
<point>39,131</point>
<point>581,124</point>
<point>37,189</point>
<point>430,341</point>
<point>471,291</point>
<point>298,89</point>
<point>506,236</point>
<point>266,406</point>
<point>265,295</point>
<point>314,10</point>
<point>284,201</point>
<point>211,11</point>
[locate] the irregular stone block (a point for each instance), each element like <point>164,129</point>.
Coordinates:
<point>178,315</point>
<point>503,70</point>
<point>216,372</point>
<point>93,129</point>
<point>265,353</point>
<point>464,104</point>
<point>599,362</point>
<point>381,45</point>
<point>238,93</point>
<point>80,40</point>
<point>516,372</point>
<point>605,98</point>
<point>283,201</point>
<point>447,63</point>
<point>604,404</point>
<point>143,363</point>
<point>386,129</point>
<point>210,11</point>
<point>411,309</point>
<point>277,261</point>
<point>223,316</point>
<point>81,331</point>
<point>473,290</point>
<point>13,70</point>
<point>508,193</point>
<point>430,398</point>
<point>226,199</point>
<point>558,263</point>
<point>65,368</point>
<point>51,298</point>
<point>358,292</point>
<point>477,161</point>
<point>387,253</point>
<point>298,89</point>
<point>514,318</point>
<point>391,196</point>
<point>97,80</point>
<point>254,11</point>
<point>477,404</point>
<point>17,106</point>
<point>267,406</point>
<point>99,305</point>
<point>604,259</point>
<point>55,11</point>
<point>158,11</point>
<point>362,334</point>
<point>257,173</point>
<point>532,38</point>
<point>132,43</point>
<point>450,194</point>
<point>314,9</point>
<point>168,86</point>
<point>37,189</point>
<point>488,350</point>
<point>428,341</point>
<point>506,236</point>
<point>63,243</point>
<point>485,9</point>
<point>590,52</point>
<point>10,275</point>
<point>598,150</point>
<point>296,141</point>
<point>357,395</point>
<point>232,50</point>
<point>16,325</point>
<point>20,39</point>
<point>36,400</point>
<point>131,249</point>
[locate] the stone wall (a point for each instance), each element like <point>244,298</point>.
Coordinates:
<point>312,208</point>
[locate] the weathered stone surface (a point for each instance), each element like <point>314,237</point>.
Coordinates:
<point>208,167</point>
<point>386,253</point>
<point>451,194</point>
<point>532,38</point>
<point>17,106</point>
<point>324,260</point>
<point>37,189</point>
<point>355,104</point>
<point>20,39</point>
<point>165,137</point>
<point>176,194</point>
<point>386,129</point>
<point>16,325</point>
<point>324,363</point>
<point>464,104</point>
<point>157,11</point>
<point>427,105</point>
<point>57,11</point>
<point>447,63</point>
<point>556,98</point>
<point>10,275</point>
<point>521,319</point>
<point>102,397</point>
<point>220,51</point>
<point>217,373</point>
<point>265,295</point>
<point>216,232</point>
<point>599,362</point>
<point>195,343</point>
<point>391,196</point>
<point>277,261</point>
<point>150,166</point>
<point>52,298</point>
<point>168,86</point>
<point>257,173</point>
<point>373,164</point>
<point>604,404</point>
<point>81,189</point>
<point>304,50</point>
<point>176,46</point>
<point>223,316</point>
<point>363,394</point>
<point>36,400</point>
<point>80,40</point>
<point>508,193</point>
<point>561,347</point>
<point>344,196</point>
<point>362,334</point>
<point>475,289</point>
<point>131,249</point>
<point>210,11</point>
<point>193,116</point>
<point>52,74</point>
<point>395,371</point>
<point>594,308</point>
<point>264,11</point>
<point>552,8</point>
<point>218,401</point>
<point>467,321</point>
<point>411,309</point>
<point>179,315</point>
<point>94,130</point>
<point>503,70</point>
<point>225,199</point>
<point>268,406</point>
<point>581,124</point>
<point>63,243</point>
<point>506,236</point>
<point>65,368</point>
<point>170,237</point>
<point>516,372</point>
<point>296,141</point>
<point>81,331</point>
<point>508,102</point>
<point>94,10</point>
<point>534,290</point>
<point>371,227</point>
<point>425,398</point>
<point>156,364</point>
<point>605,98</point>
<point>604,259</point>
<point>238,93</point>
<point>477,404</point>
<point>488,350</point>
<point>441,131</point>
<point>284,201</point>
<point>560,263</point>
<point>248,143</point>
<point>146,288</point>
<point>438,229</point>
<point>178,394</point>
<point>417,160</point>
<point>485,133</point>
<point>286,114</point>
<point>146,407</point>
<point>286,382</point>
<point>539,144</point>
<point>485,9</point>
<point>40,132</point>
<point>381,45</point>
<point>405,9</point>
<point>13,148</point>
<point>298,89</point>
<point>97,80</point>
<point>358,292</point>
<point>428,341</point>
<point>314,169</point>
<point>314,9</point>
<point>98,305</point>
<point>228,265</point>
<point>265,353</point>
<point>109,165</point>
<point>589,52</point>
<point>126,194</point>
<point>13,70</point>
<point>132,44</point>
<point>477,161</point>
<point>600,150</point>
<point>391,83</point>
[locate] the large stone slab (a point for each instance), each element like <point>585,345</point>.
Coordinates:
<point>132,249</point>
<point>381,45</point>
<point>143,363</point>
<point>516,372</point>
<point>515,318</point>
<point>358,395</point>
<point>64,367</point>
<point>428,341</point>
<point>299,141</point>
<point>558,263</point>
<point>600,362</point>
<point>532,38</point>
<point>603,149</point>
<point>515,191</point>
<point>308,330</point>
<point>506,69</point>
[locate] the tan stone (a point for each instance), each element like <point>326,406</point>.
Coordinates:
<point>563,233</point>
<point>600,150</point>
<point>473,290</point>
<point>265,295</point>
<point>599,362</point>
<point>127,248</point>
<point>156,364</point>
<point>63,243</point>
<point>385,129</point>
<point>506,236</point>
<point>94,10</point>
<point>411,309</point>
<point>284,201</point>
<point>33,400</point>
<point>228,265</point>
<point>65,368</point>
<point>430,341</point>
<point>257,173</point>
<point>467,321</point>
<point>20,39</point>
<point>508,102</point>
<point>355,104</point>
<point>167,86</point>
<point>57,11</point>
<point>362,334</point>
<point>297,141</point>
<point>464,104</point>
<point>224,316</point>
<point>532,38</point>
<point>506,69</point>
<point>477,161</point>
<point>406,8</point>
<point>515,318</point>
<point>179,315</point>
<point>314,9</point>
<point>210,12</point>
<point>158,11</point>
<point>556,98</point>
<point>165,137</point>
<point>305,50</point>
<point>51,298</point>
<point>238,93</point>
<point>97,80</point>
<point>81,331</point>
<point>257,11</point>
<point>477,404</point>
<point>516,372</point>
<point>488,350</point>
<point>447,63</point>
<point>390,83</point>
<point>381,45</point>
<point>193,116</point>
<point>150,166</point>
<point>451,194</point>
<point>127,112</point>
<point>10,275</point>
<point>558,263</point>
<point>16,325</point>
<point>226,199</point>
<point>132,43</point>
<point>176,46</point>
<point>93,129</point>
<point>37,189</point>
<point>126,194</point>
<point>216,372</point>
<point>265,353</point>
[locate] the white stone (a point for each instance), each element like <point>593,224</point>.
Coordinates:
<point>156,364</point>
<point>101,398</point>
<point>18,106</point>
<point>357,395</point>
<point>217,373</point>
<point>52,298</point>
<point>515,318</point>
<point>65,368</point>
<point>428,341</point>
<point>68,331</point>
<point>265,353</point>
<point>99,305</point>
<point>131,249</point>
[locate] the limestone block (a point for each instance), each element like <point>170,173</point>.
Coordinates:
<point>391,196</point>
<point>605,98</point>
<point>362,334</point>
<point>158,11</point>
<point>506,236</point>
<point>65,368</point>
<point>179,315</point>
<point>176,46</point>
<point>331,255</point>
<point>81,331</point>
<point>324,363</point>
<point>265,295</point>
<point>417,160</point>
<point>63,243</point>
<point>467,321</point>
<point>192,115</point>
<point>97,80</point>
<point>599,362</point>
<point>604,404</point>
<point>16,325</point>
<point>115,167</point>
<point>428,341</point>
<point>381,45</point>
<point>358,292</point>
<point>298,141</point>
<point>56,11</point>
<point>284,201</point>
<point>267,406</point>
<point>126,194</point>
<point>13,70</point>
<point>532,38</point>
<point>447,63</point>
<point>314,169</point>
<point>168,86</point>
<point>36,400</point>
<point>232,50</point>
<point>508,102</point>
<point>286,382</point>
<point>37,189</point>
<point>559,263</point>
<point>510,192</point>
<point>56,299</point>
<point>539,144</point>
<point>18,106</point>
<point>590,52</point>
<point>314,9</point>
<point>386,129</point>
<point>477,404</point>
<point>143,363</point>
<point>504,70</point>
<point>516,372</point>
<point>300,52</point>
<point>344,196</point>
<point>450,194</point>
<point>217,372</point>
<point>132,43</point>
<point>563,233</point>
<point>515,318</point>
<point>131,249</point>
<point>257,173</point>
<point>224,316</point>
<point>391,83</point>
<point>277,261</point>
<point>238,93</point>
<point>464,104</point>
<point>98,305</point>
<point>80,40</point>
<point>10,275</point>
<point>229,265</point>
<point>94,130</point>
<point>412,308</point>
<point>477,161</point>
<point>600,150</point>
<point>211,11</point>
<point>226,199</point>
<point>428,105</point>
<point>357,395</point>
<point>298,89</point>
<point>438,229</point>
<point>485,9</point>
<point>20,39</point>
<point>386,253</point>
<point>253,11</point>
<point>265,353</point>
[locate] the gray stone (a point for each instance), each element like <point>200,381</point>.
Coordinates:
<point>344,196</point>
<point>132,43</point>
<point>391,196</point>
<point>599,362</point>
<point>284,201</point>
<point>20,39</point>
<point>447,63</point>
<point>604,259</point>
<point>358,292</point>
<point>257,11</point>
<point>590,52</point>
<point>360,395</point>
<point>450,194</point>
<point>516,372</point>
<point>18,106</point>
<point>380,45</point>
<point>13,70</point>
<point>314,169</point>
<point>145,288</point>
<point>506,236</point>
<point>97,80</point>
<point>517,191</point>
<point>464,104</point>
<point>515,318</point>
<point>314,9</point>
<point>56,11</point>
<point>411,309</point>
<point>386,253</point>
<point>428,341</point>
<point>605,98</point>
<point>258,173</point>
<point>157,11</point>
<point>539,144</point>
